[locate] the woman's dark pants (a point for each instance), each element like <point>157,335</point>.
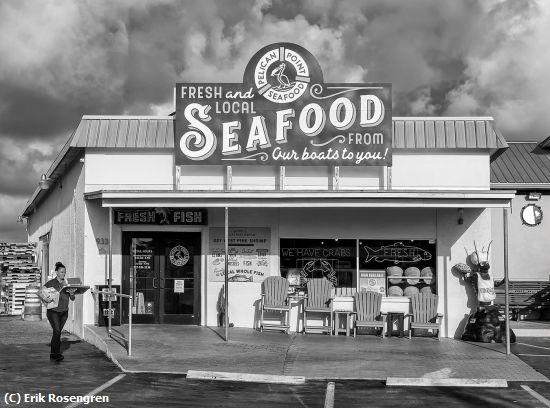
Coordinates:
<point>57,321</point>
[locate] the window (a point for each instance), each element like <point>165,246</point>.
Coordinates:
<point>333,259</point>
<point>398,267</point>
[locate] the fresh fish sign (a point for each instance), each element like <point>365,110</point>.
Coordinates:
<point>397,253</point>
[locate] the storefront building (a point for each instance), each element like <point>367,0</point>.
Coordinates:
<point>525,168</point>
<point>324,184</point>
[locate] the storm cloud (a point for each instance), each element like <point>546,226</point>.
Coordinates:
<point>61,59</point>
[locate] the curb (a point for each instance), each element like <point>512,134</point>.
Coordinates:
<point>446,382</point>
<point>100,344</point>
<point>242,377</point>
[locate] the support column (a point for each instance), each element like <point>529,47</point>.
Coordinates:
<point>506,279</point>
<point>110,280</point>
<point>226,314</point>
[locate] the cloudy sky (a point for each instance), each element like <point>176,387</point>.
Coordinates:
<point>61,59</point>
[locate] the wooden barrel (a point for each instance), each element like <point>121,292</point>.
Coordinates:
<point>411,290</point>
<point>427,273</point>
<point>395,291</point>
<point>394,271</point>
<point>33,306</point>
<point>414,272</point>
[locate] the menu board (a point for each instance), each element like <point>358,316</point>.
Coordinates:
<point>248,259</point>
<point>143,256</point>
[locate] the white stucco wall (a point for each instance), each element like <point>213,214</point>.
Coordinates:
<point>129,170</point>
<point>411,170</point>
<point>61,215</point>
<point>255,177</point>
<point>451,241</point>
<point>444,170</point>
<point>528,254</point>
<point>96,258</point>
<point>201,177</point>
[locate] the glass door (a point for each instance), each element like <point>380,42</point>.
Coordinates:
<point>179,276</point>
<point>161,272</point>
<point>141,277</point>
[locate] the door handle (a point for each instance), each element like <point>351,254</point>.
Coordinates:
<point>161,282</point>
<point>154,286</point>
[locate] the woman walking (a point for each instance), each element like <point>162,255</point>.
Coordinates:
<point>57,316</point>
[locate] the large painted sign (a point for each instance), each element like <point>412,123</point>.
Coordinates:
<point>283,114</point>
<point>249,252</point>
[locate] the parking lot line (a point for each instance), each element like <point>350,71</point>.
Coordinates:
<point>99,389</point>
<point>533,355</point>
<point>329,396</point>
<point>536,395</point>
<point>532,345</point>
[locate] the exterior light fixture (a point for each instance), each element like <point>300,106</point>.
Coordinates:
<point>46,183</point>
<point>460,216</point>
<point>534,196</point>
<point>20,220</point>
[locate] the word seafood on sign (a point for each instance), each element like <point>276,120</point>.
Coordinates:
<point>283,113</point>
<point>397,253</point>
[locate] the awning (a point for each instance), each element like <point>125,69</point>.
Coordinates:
<point>318,199</point>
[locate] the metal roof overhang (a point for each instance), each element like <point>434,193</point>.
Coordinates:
<point>319,199</point>
<point>521,186</point>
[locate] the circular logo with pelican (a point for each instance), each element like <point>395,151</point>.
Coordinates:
<point>179,255</point>
<point>281,75</point>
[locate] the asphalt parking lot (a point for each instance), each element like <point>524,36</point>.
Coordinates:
<point>85,372</point>
<point>535,351</point>
<point>27,371</point>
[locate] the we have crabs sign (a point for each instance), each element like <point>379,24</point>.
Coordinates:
<point>284,114</point>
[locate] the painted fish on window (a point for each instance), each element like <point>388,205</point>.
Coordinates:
<point>397,253</point>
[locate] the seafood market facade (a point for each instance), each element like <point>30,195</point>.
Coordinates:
<point>317,180</point>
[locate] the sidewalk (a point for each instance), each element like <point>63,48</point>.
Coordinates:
<point>177,349</point>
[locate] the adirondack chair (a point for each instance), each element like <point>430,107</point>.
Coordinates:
<point>275,297</point>
<point>424,313</point>
<point>318,301</point>
<point>367,308</point>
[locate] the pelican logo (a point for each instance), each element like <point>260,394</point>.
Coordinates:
<point>179,255</point>
<point>281,75</point>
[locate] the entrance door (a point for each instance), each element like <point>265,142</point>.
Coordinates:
<point>162,272</point>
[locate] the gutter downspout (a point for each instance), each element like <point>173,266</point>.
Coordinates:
<point>74,251</point>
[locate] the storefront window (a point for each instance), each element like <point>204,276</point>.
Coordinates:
<point>397,267</point>
<point>333,259</point>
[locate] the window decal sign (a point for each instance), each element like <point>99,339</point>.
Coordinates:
<point>397,253</point>
<point>179,255</point>
<point>283,114</point>
<point>249,254</point>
